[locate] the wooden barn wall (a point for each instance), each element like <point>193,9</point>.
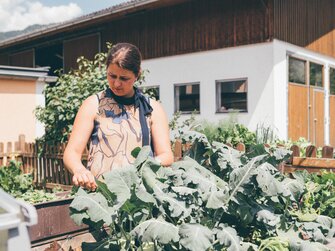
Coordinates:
<point>4,59</point>
<point>24,58</point>
<point>86,46</point>
<point>194,26</point>
<point>306,23</point>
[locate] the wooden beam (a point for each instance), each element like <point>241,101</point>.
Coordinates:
<point>314,162</point>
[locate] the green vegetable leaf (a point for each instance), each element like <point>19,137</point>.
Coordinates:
<point>228,237</point>
<point>120,181</point>
<point>156,229</point>
<point>94,205</point>
<point>195,237</point>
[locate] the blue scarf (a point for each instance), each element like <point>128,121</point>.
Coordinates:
<point>139,101</point>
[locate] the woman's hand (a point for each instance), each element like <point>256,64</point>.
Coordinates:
<point>84,178</point>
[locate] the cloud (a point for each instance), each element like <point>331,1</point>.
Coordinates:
<point>19,14</point>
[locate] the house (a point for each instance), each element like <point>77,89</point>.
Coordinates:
<point>271,61</point>
<point>21,91</point>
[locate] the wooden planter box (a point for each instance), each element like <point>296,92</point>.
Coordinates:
<point>54,222</point>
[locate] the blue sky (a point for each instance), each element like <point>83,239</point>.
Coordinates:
<point>19,14</point>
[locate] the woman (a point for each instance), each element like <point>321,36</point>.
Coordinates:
<point>116,121</point>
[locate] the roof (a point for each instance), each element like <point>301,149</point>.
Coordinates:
<point>124,8</point>
<point>26,72</point>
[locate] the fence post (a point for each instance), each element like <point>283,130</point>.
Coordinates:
<point>327,152</point>
<point>311,151</point>
<point>177,150</point>
<point>2,154</point>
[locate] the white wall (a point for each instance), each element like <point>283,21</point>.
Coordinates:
<point>266,67</point>
<point>254,62</point>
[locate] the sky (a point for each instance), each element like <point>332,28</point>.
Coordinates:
<point>19,14</point>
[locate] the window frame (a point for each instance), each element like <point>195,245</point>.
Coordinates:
<point>218,95</point>
<point>306,69</point>
<point>177,102</point>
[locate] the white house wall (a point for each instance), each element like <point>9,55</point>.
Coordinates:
<point>265,66</point>
<point>254,62</point>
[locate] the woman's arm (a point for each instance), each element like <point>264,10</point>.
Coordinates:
<point>161,134</point>
<point>81,132</point>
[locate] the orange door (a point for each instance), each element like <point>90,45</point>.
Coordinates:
<point>306,113</point>
<point>317,113</point>
<point>297,111</point>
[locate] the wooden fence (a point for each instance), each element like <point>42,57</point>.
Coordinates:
<point>46,161</point>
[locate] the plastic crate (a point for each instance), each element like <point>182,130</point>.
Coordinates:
<point>15,217</point>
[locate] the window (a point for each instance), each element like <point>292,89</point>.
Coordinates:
<point>152,91</point>
<point>187,97</point>
<point>297,71</point>
<point>315,74</point>
<point>332,81</point>
<point>231,95</point>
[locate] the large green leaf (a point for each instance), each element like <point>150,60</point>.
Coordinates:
<point>94,205</point>
<point>189,165</point>
<point>227,155</point>
<point>156,230</point>
<point>150,181</point>
<point>176,207</point>
<point>143,195</point>
<point>120,181</point>
<point>293,188</point>
<point>142,156</point>
<point>268,217</point>
<point>240,176</point>
<point>195,237</point>
<point>228,237</point>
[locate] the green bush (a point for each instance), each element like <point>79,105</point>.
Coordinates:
<point>227,131</point>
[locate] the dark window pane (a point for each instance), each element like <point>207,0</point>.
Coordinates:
<point>315,74</point>
<point>187,98</point>
<point>232,96</point>
<point>332,81</point>
<point>297,71</point>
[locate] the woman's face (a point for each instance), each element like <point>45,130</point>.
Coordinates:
<point>121,81</point>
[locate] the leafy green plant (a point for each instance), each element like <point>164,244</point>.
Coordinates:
<point>20,185</point>
<point>265,134</point>
<point>13,181</point>
<point>319,196</point>
<point>227,131</point>
<point>189,207</point>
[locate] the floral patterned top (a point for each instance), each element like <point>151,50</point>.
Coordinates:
<point>116,132</point>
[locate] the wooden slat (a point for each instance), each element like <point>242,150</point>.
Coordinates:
<point>314,162</point>
<point>292,169</point>
<point>56,185</point>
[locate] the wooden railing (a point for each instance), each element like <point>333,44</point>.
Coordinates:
<point>311,163</point>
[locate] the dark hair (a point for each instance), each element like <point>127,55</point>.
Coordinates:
<point>126,56</point>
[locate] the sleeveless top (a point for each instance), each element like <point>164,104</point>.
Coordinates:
<point>117,131</point>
